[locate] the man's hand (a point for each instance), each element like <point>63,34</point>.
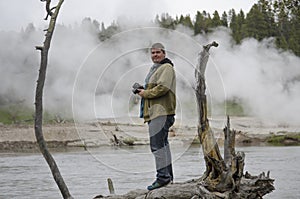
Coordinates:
<point>141,92</point>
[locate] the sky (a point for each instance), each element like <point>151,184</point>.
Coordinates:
<point>15,14</point>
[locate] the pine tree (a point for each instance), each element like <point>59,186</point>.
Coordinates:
<point>237,25</point>
<point>186,21</point>
<point>224,19</point>
<point>208,22</point>
<point>256,25</point>
<point>199,26</point>
<point>166,21</point>
<point>294,40</point>
<point>283,25</point>
<point>241,26</point>
<point>216,21</point>
<point>233,22</point>
<point>266,9</point>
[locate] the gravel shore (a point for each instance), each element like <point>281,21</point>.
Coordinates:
<point>250,131</point>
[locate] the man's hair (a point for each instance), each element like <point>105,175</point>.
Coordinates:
<point>160,46</point>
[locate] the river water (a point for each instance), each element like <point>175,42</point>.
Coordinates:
<point>26,175</point>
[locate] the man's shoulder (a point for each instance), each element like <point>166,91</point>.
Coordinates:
<point>166,60</point>
<point>166,65</point>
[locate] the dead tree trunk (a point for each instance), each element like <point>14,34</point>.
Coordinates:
<point>214,176</point>
<point>212,156</point>
<point>221,175</point>
<point>39,99</point>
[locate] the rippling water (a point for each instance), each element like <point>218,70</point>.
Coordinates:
<point>26,175</point>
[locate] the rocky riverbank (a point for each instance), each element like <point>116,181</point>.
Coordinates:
<point>250,131</point>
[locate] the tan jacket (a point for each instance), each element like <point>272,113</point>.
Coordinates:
<point>160,93</point>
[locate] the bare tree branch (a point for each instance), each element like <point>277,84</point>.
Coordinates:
<point>48,9</point>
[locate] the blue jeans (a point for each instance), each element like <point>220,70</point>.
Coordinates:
<point>158,132</point>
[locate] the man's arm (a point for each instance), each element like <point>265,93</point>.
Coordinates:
<point>163,84</point>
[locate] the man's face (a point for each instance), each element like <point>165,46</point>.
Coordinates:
<point>157,55</point>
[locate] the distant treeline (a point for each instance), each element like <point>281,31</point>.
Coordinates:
<point>279,19</point>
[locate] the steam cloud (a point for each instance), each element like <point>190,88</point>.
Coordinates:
<point>93,79</point>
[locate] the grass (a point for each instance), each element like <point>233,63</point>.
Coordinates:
<point>5,117</point>
<point>20,114</point>
<point>231,107</point>
<point>234,108</point>
<point>281,140</point>
<point>16,114</point>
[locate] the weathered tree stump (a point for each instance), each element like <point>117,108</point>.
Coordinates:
<point>223,178</point>
<point>221,175</point>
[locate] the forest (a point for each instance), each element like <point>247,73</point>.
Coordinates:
<point>267,18</point>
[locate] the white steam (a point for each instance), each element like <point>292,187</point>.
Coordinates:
<point>93,79</point>
<point>264,78</point>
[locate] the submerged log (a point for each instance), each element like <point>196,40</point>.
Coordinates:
<point>223,178</point>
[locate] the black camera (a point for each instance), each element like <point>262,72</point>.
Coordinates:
<point>135,87</point>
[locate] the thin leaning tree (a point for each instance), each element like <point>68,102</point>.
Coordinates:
<point>38,122</point>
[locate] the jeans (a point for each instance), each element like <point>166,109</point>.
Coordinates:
<point>158,132</point>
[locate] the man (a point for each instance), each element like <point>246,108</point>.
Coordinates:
<point>158,109</point>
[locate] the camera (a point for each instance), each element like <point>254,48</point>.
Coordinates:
<point>135,87</point>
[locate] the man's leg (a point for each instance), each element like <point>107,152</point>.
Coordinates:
<point>158,130</point>
<point>169,156</point>
<point>170,121</point>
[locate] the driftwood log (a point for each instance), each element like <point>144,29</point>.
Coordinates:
<point>223,178</point>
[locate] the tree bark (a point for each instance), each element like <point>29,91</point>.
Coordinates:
<point>39,100</point>
<point>214,162</point>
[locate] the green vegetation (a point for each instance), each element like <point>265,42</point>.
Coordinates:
<point>278,19</point>
<point>5,117</point>
<point>15,114</point>
<point>287,139</point>
<point>231,107</point>
<point>20,114</point>
<point>234,108</point>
